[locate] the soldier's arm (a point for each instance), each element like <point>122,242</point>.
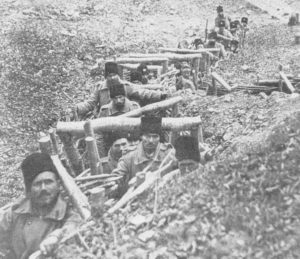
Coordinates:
<point>143,94</point>
<point>6,223</point>
<point>71,223</point>
<point>89,104</point>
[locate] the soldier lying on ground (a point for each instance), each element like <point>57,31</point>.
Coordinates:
<point>118,105</point>
<point>42,218</point>
<point>150,151</point>
<point>221,17</point>
<point>183,81</point>
<point>101,96</point>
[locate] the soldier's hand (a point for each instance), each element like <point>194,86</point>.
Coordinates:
<point>49,245</point>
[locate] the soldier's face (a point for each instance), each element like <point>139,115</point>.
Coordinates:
<point>44,189</point>
<point>119,147</point>
<point>186,72</point>
<point>150,140</point>
<point>119,101</point>
<point>187,165</point>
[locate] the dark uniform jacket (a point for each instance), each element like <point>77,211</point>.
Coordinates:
<point>101,97</point>
<point>135,160</point>
<point>22,231</point>
<point>110,110</point>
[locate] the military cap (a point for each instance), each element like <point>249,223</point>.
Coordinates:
<point>111,68</point>
<point>220,9</point>
<point>237,22</point>
<point>35,164</point>
<point>112,136</point>
<point>187,148</point>
<point>185,65</point>
<point>244,20</point>
<point>143,69</point>
<point>233,25</point>
<point>135,76</point>
<point>212,35</point>
<point>150,124</point>
<point>222,23</point>
<point>116,90</point>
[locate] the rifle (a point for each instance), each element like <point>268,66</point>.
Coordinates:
<point>206,30</point>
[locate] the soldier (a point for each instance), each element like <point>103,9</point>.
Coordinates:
<point>191,154</point>
<point>150,151</point>
<point>183,82</point>
<point>221,17</point>
<point>229,39</point>
<point>143,69</point>
<point>212,43</point>
<point>119,145</point>
<point>136,77</point>
<point>187,154</point>
<point>101,95</point>
<point>42,218</point>
<point>119,103</point>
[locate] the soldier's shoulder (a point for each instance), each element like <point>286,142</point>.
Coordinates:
<point>129,150</point>
<point>104,160</point>
<point>135,104</point>
<point>104,107</point>
<point>166,146</point>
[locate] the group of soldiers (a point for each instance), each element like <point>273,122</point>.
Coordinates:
<point>227,35</point>
<point>41,219</point>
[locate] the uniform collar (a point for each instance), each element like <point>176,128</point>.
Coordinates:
<point>126,107</point>
<point>58,212</point>
<point>141,156</point>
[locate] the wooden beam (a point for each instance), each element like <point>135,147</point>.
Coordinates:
<point>138,60</point>
<point>196,64</point>
<point>54,141</point>
<point>72,153</point>
<point>188,51</point>
<point>126,124</point>
<point>170,56</point>
<point>79,200</point>
<point>45,145</point>
<point>221,81</point>
<point>153,107</point>
<point>93,155</point>
<point>133,66</point>
<point>287,81</point>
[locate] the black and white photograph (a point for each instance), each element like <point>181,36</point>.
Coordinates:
<point>149,129</point>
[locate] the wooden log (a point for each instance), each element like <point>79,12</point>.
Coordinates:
<point>54,141</point>
<point>170,56</point>
<point>170,73</point>
<point>139,60</point>
<point>197,134</point>
<point>93,155</point>
<point>79,200</point>
<point>165,66</point>
<point>196,64</point>
<point>124,123</point>
<point>150,180</point>
<point>188,51</point>
<point>214,89</point>
<point>153,107</point>
<point>45,145</point>
<point>268,82</point>
<point>221,81</point>
<point>287,81</point>
<point>92,147</point>
<point>151,86</point>
<point>72,153</point>
<point>100,177</point>
<point>222,37</point>
<point>132,66</point>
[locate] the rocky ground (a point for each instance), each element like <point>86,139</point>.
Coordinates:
<point>243,204</point>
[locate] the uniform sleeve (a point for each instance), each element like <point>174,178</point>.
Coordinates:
<point>103,112</point>
<point>71,223</point>
<point>88,105</point>
<point>123,169</point>
<point>6,222</point>
<point>142,94</point>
